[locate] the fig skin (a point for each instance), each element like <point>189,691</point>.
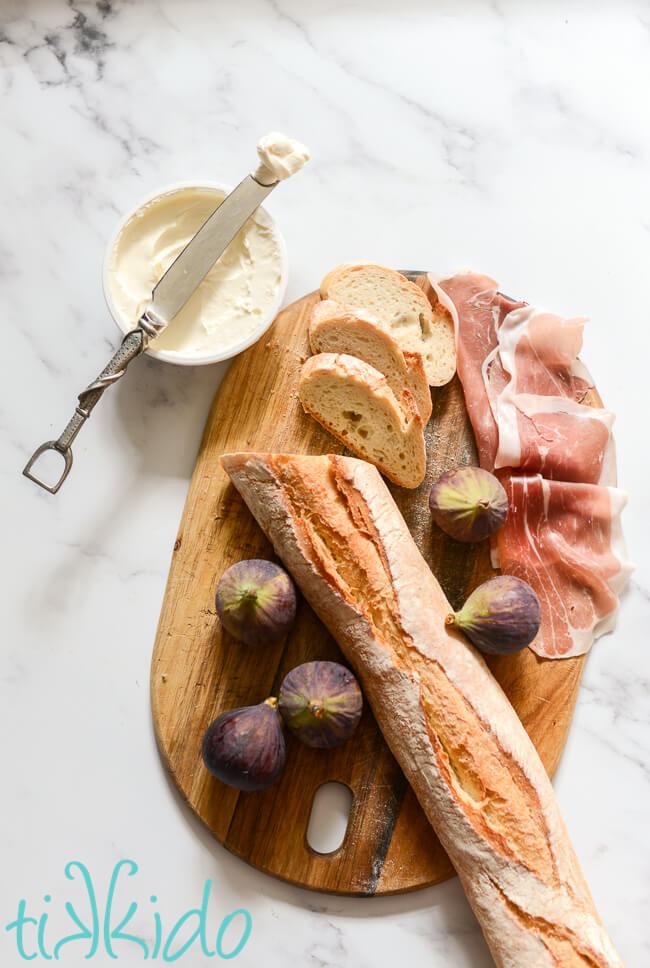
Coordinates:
<point>245,747</point>
<point>256,601</point>
<point>468,503</point>
<point>501,616</point>
<point>321,703</point>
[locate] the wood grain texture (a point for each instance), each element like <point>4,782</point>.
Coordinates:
<point>198,671</point>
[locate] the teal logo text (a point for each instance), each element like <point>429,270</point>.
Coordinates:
<point>91,929</point>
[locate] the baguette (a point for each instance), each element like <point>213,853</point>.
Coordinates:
<point>354,402</point>
<point>458,740</point>
<point>335,328</point>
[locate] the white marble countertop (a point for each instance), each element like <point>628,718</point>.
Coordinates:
<point>510,137</point>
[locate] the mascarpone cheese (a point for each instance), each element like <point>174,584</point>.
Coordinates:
<point>236,295</point>
<point>280,158</point>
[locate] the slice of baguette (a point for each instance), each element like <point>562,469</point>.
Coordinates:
<point>463,749</point>
<point>354,402</point>
<point>404,308</point>
<point>336,328</point>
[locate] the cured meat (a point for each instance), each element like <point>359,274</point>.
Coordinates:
<point>555,437</point>
<point>524,389</point>
<point>566,541</point>
<point>542,426</point>
<point>478,310</point>
<point>539,351</point>
<point>523,383</point>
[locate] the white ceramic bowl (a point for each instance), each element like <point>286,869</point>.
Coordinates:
<point>214,357</point>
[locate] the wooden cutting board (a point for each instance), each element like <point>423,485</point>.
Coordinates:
<point>198,671</point>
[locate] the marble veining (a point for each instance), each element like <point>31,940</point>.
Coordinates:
<point>510,137</point>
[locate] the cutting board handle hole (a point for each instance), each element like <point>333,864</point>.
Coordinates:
<point>329,817</point>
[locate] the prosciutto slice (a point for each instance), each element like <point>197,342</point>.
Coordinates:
<point>539,351</point>
<point>566,541</point>
<point>524,388</point>
<point>542,426</point>
<point>478,310</point>
<point>555,437</point>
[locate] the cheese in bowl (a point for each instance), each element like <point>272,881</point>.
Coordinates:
<point>236,302</point>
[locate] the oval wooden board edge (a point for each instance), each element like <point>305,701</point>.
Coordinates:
<point>390,879</point>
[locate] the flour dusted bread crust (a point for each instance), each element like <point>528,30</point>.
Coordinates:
<point>355,403</point>
<point>469,760</point>
<point>405,310</point>
<point>337,328</point>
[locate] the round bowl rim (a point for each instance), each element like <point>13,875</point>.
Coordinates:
<point>170,356</point>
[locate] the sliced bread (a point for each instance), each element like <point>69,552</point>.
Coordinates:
<point>336,328</point>
<point>404,308</point>
<point>354,402</point>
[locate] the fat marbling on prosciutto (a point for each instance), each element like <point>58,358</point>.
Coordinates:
<point>543,425</point>
<point>524,388</point>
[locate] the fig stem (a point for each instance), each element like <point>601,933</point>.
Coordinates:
<point>317,709</point>
<point>450,619</point>
<point>271,701</point>
<point>484,503</point>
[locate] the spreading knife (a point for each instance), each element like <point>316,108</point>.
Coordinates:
<point>167,299</point>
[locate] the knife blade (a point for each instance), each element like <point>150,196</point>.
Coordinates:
<point>193,263</point>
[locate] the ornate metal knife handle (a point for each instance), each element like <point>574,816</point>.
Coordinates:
<point>134,343</point>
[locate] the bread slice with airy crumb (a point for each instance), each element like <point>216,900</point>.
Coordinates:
<point>404,308</point>
<point>336,328</point>
<point>354,402</point>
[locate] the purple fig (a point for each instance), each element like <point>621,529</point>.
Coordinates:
<point>468,503</point>
<point>256,601</point>
<point>501,616</point>
<point>321,703</point>
<point>245,747</point>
